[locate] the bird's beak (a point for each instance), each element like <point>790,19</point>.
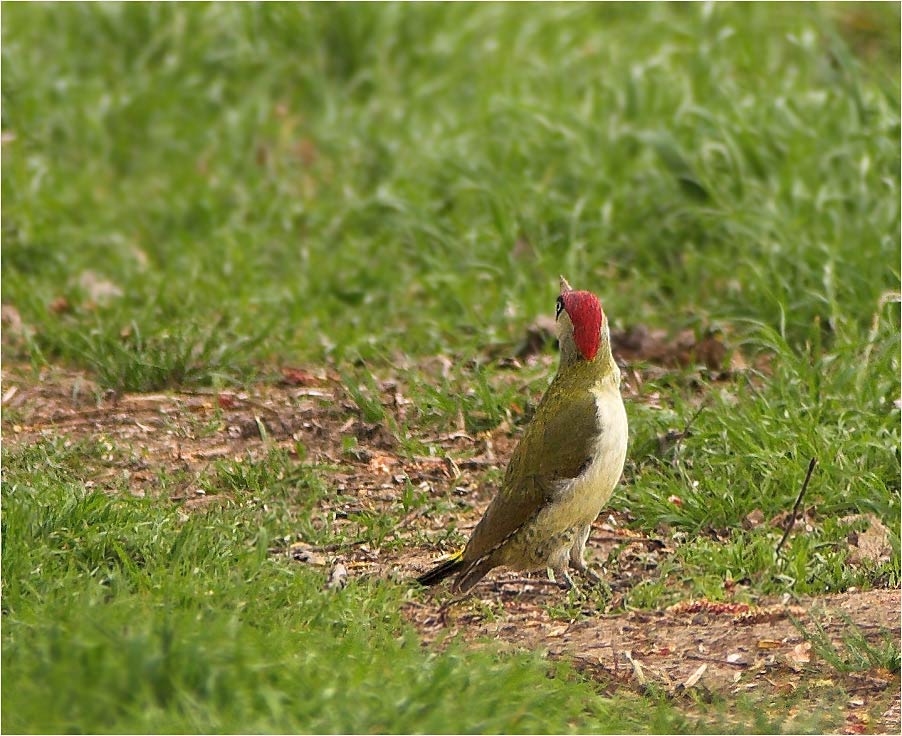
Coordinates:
<point>565,287</point>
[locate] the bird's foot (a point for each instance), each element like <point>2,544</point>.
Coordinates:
<point>587,572</point>
<point>562,578</point>
<point>500,585</point>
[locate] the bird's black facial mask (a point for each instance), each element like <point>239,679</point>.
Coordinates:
<point>560,307</point>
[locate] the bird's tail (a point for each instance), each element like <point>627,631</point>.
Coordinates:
<point>443,569</point>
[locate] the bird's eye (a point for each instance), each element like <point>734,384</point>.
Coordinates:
<point>560,307</point>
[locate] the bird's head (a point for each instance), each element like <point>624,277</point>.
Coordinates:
<point>581,324</point>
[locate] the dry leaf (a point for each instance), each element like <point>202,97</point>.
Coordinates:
<point>785,688</point>
<point>59,305</point>
<point>753,519</point>
<point>11,318</point>
<point>538,334</point>
<point>205,503</point>
<point>801,653</point>
<point>871,545</point>
<point>659,347</point>
<point>226,401</point>
<point>302,552</point>
<point>382,463</point>
<point>99,290</point>
<point>298,377</point>
<point>637,668</point>
<point>693,679</point>
<point>338,578</point>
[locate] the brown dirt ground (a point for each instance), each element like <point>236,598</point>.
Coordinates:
<point>695,646</point>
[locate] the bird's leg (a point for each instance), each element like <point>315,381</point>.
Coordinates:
<point>560,576</point>
<point>577,552</point>
<point>557,569</point>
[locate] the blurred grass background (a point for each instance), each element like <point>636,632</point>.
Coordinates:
<point>194,194</point>
<point>315,181</point>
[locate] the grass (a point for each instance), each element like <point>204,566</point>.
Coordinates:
<point>187,624</point>
<point>199,195</point>
<point>857,653</point>
<point>375,199</point>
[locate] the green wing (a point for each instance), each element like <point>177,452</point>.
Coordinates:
<point>556,447</point>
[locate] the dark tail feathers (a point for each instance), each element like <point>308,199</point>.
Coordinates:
<point>442,570</point>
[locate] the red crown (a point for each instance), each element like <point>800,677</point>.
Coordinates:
<point>586,315</point>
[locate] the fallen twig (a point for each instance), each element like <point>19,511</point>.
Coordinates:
<point>671,440</point>
<point>691,421</point>
<point>475,462</point>
<point>728,663</point>
<point>795,508</point>
<point>637,668</point>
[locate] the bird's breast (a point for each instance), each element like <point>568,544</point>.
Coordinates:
<point>594,486</point>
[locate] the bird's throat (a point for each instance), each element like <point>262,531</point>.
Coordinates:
<point>578,373</point>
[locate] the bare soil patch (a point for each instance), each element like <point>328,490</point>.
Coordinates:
<point>695,647</point>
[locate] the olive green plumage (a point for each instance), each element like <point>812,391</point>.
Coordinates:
<point>556,446</point>
<point>563,470</point>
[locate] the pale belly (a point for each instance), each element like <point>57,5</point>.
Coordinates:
<point>592,490</point>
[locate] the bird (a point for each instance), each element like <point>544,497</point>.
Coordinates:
<point>565,467</point>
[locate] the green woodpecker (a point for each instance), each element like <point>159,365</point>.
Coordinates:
<point>565,467</point>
